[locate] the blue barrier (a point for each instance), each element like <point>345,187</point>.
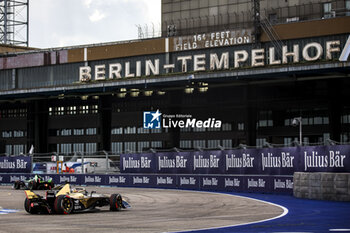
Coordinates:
<point>263,161</point>
<point>237,183</point>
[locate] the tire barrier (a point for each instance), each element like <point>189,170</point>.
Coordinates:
<point>322,186</point>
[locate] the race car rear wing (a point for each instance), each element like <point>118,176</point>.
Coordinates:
<point>30,194</point>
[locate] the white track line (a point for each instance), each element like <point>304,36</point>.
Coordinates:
<point>285,211</point>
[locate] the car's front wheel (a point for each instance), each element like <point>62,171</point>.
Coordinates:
<point>115,202</point>
<point>63,204</point>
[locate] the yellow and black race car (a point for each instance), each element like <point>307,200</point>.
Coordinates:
<point>64,200</point>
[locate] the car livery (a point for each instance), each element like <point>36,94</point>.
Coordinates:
<point>64,200</point>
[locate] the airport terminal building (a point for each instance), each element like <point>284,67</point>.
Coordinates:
<point>254,75</point>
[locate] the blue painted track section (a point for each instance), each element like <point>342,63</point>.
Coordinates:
<point>304,216</point>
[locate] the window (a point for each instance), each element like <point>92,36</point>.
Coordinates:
<point>273,18</point>
<point>130,130</point>
<point>117,147</point>
<point>327,10</point>
<point>78,147</point>
<point>91,148</point>
<point>8,149</point>
<point>260,142</point>
<point>226,127</point>
<point>18,149</point>
<point>78,131</point>
<point>91,131</point>
<point>317,120</point>
<point>94,109</point>
<point>213,143</point>
<point>199,143</point>
<point>156,130</point>
<point>142,145</point>
<point>84,109</point>
<point>199,129</point>
<point>142,130</point>
<point>345,137</point>
<point>213,129</point>
<point>185,144</point>
<point>117,130</point>
<point>227,143</point>
<point>345,119</point>
<point>347,8</point>
<point>66,132</point>
<point>13,113</point>
<point>156,144</point>
<point>288,141</point>
<point>185,129</point>
<point>59,111</point>
<point>71,110</point>
<point>18,133</point>
<point>22,112</point>
<point>65,148</point>
<point>240,126</point>
<point>7,134</point>
<point>130,147</point>
<point>265,119</point>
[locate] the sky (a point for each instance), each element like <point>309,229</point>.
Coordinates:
<point>60,23</point>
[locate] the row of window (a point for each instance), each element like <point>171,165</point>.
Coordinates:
<point>129,147</point>
<point>345,119</point>
<point>141,130</point>
<point>14,134</point>
<point>73,110</point>
<point>15,149</point>
<point>68,148</point>
<point>13,113</point>
<point>309,121</point>
<point>216,143</point>
<point>288,141</point>
<point>70,132</point>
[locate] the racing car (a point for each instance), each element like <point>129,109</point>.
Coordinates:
<point>35,183</point>
<point>64,200</point>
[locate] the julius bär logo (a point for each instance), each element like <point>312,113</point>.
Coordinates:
<point>151,120</point>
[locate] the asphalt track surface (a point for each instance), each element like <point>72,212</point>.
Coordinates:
<point>157,210</point>
<point>153,210</point>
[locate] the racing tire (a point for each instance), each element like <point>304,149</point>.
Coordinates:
<point>63,204</point>
<point>32,185</point>
<point>115,202</point>
<point>28,207</point>
<point>16,185</point>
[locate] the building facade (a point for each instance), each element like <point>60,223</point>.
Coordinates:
<point>183,17</point>
<point>93,98</point>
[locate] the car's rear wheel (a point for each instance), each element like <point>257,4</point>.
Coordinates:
<point>16,185</point>
<point>115,202</point>
<point>63,204</point>
<point>32,185</point>
<point>28,206</point>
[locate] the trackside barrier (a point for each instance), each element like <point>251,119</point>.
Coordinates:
<point>263,161</point>
<point>225,183</point>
